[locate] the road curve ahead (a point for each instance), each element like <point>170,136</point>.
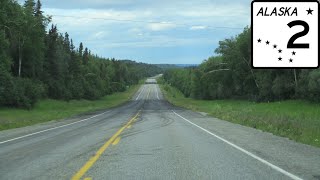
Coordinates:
<point>147,138</point>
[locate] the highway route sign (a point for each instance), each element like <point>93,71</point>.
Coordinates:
<point>285,34</point>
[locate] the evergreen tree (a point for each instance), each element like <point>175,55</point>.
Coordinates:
<point>85,58</point>
<point>80,49</point>
<point>35,63</point>
<point>38,11</point>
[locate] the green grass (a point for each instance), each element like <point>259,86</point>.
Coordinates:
<point>295,119</point>
<point>47,110</point>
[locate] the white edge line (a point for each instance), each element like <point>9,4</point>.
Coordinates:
<point>245,151</point>
<point>157,93</point>
<point>51,128</point>
<point>140,93</point>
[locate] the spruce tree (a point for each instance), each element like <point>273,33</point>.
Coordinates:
<point>80,49</point>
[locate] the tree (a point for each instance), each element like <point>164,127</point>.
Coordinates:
<point>229,75</point>
<point>80,49</point>
<point>5,63</point>
<point>36,63</point>
<point>38,11</point>
<point>85,58</point>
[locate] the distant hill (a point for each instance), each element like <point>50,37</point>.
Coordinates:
<point>173,66</point>
<point>187,65</point>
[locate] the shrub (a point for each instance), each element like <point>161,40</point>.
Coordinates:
<point>21,92</point>
<point>314,86</point>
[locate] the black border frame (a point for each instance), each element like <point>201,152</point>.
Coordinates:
<point>252,40</point>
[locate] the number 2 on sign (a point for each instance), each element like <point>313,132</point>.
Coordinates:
<point>291,41</point>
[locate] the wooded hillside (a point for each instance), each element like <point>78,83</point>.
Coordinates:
<point>37,64</point>
<point>229,76</point>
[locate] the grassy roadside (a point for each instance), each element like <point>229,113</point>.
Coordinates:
<point>47,110</point>
<point>297,120</point>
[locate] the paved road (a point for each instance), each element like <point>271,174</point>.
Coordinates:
<point>148,138</point>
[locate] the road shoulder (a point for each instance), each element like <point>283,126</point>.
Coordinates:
<point>295,157</point>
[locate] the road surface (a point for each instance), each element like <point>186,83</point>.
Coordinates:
<point>147,138</point>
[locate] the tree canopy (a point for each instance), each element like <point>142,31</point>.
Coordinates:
<point>229,75</point>
<point>38,64</point>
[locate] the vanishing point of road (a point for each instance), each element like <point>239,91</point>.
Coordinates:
<point>148,138</point>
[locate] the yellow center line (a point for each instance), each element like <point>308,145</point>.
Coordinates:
<point>148,93</point>
<point>87,178</point>
<point>94,158</point>
<point>115,142</point>
<point>134,120</point>
<point>129,126</point>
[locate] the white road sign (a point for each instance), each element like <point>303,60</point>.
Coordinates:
<point>285,34</point>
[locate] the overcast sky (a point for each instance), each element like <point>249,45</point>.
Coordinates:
<point>182,32</point>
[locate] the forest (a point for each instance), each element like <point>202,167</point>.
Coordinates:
<point>229,75</point>
<point>38,62</point>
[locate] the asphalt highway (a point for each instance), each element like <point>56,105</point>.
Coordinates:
<point>148,138</point>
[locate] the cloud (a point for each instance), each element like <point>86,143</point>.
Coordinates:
<point>92,4</point>
<point>97,36</point>
<point>217,11</point>
<point>137,28</point>
<point>198,27</point>
<point>160,41</point>
<point>161,26</point>
<point>92,16</point>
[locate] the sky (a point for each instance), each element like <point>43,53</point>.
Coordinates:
<point>150,31</point>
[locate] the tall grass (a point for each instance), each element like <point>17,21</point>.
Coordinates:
<point>47,110</point>
<point>295,119</point>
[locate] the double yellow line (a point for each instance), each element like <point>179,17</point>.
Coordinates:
<point>93,159</point>
<point>148,93</point>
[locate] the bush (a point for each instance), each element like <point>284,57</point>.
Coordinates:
<point>21,92</point>
<point>92,87</point>
<point>76,88</point>
<point>282,88</point>
<point>314,86</point>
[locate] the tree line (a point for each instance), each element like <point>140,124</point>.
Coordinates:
<point>229,75</point>
<point>38,64</point>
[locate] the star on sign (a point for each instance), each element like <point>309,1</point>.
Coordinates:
<point>293,53</point>
<point>259,40</point>
<point>309,11</point>
<point>280,51</point>
<point>267,42</point>
<point>280,58</point>
<point>275,46</point>
<point>290,60</point>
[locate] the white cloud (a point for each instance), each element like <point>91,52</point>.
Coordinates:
<point>97,36</point>
<point>92,14</point>
<point>190,16</point>
<point>100,34</point>
<point>159,41</point>
<point>126,25</point>
<point>198,27</point>
<point>216,11</point>
<point>161,26</point>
